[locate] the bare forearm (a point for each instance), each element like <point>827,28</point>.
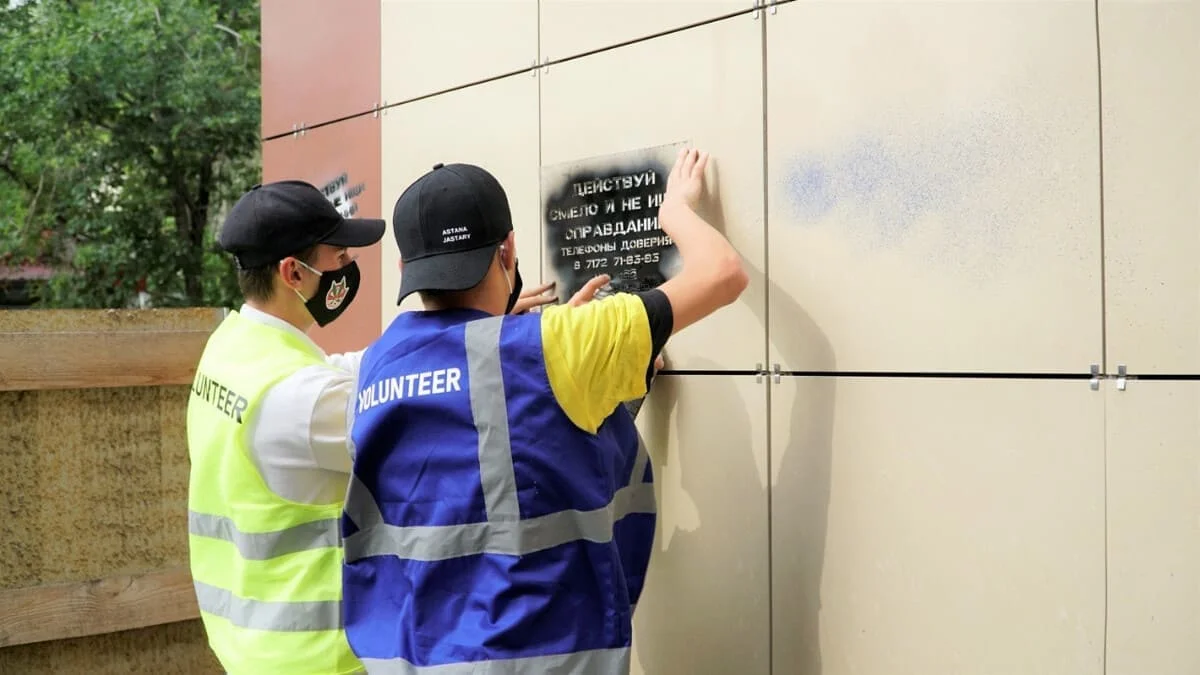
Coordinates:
<point>711,274</point>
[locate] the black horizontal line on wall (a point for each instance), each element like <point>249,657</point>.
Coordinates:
<point>671,371</point>
<point>889,374</point>
<point>520,71</point>
<point>1170,377</point>
<point>382,108</point>
<point>1166,377</point>
<point>937,375</point>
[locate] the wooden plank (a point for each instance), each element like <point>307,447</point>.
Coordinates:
<point>64,611</point>
<point>113,351</point>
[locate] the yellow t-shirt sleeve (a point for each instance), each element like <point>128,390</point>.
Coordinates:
<point>596,356</point>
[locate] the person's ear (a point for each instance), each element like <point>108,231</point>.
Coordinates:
<point>508,252</point>
<point>289,270</point>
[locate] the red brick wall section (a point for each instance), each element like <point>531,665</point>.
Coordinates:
<point>321,62</point>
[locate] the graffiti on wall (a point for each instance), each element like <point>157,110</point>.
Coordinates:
<point>600,216</point>
<point>959,182</point>
<point>342,194</point>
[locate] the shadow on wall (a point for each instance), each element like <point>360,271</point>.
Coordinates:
<point>703,611</point>
<point>802,445</point>
<point>701,614</point>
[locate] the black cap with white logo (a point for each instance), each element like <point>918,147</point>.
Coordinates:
<point>277,220</point>
<point>448,224</point>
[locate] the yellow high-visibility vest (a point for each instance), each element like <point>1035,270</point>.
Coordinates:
<point>267,571</point>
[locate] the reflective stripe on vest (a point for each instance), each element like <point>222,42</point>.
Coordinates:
<point>264,615</point>
<point>504,532</point>
<point>490,410</point>
<point>595,662</point>
<point>521,537</point>
<point>265,545</point>
<point>259,614</point>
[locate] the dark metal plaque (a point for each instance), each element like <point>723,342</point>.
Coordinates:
<point>600,216</point>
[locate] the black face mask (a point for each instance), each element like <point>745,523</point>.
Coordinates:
<point>515,294</point>
<point>334,294</point>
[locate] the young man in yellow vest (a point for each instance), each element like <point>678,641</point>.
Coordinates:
<point>268,434</point>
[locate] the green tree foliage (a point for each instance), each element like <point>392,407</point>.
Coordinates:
<point>125,126</point>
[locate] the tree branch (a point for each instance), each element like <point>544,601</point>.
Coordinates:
<point>229,30</point>
<point>29,213</point>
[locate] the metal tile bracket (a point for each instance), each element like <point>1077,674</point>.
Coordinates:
<point>545,64</point>
<point>759,371</point>
<point>533,68</point>
<point>1094,383</point>
<point>1122,377</point>
<point>757,6</point>
<point>775,373</point>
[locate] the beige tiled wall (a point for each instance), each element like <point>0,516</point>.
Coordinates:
<point>672,97</point>
<point>493,125</point>
<point>434,45</point>
<point>1149,52</point>
<point>934,177</point>
<point>937,526</point>
<point>1153,430</point>
<point>946,224</point>
<point>573,27</point>
<point>706,604</point>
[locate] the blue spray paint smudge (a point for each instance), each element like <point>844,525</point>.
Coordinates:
<point>810,189</point>
<point>885,184</point>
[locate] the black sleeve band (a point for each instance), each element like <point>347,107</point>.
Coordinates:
<point>662,322</point>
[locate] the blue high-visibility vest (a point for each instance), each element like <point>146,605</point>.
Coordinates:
<point>484,531</point>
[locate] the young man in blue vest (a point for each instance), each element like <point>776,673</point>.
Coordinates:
<point>500,514</point>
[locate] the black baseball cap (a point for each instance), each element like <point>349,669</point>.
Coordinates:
<point>276,220</point>
<point>447,225</point>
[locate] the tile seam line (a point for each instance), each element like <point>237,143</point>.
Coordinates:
<point>519,71</point>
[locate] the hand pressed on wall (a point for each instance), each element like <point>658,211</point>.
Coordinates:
<point>686,180</point>
<point>534,297</point>
<point>538,295</point>
<point>589,290</point>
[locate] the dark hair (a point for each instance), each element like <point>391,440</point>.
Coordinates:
<point>444,299</point>
<point>258,284</point>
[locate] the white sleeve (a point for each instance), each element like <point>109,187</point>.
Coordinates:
<point>348,361</point>
<point>329,430</point>
<point>302,422</point>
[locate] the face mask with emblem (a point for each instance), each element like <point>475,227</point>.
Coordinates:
<point>334,293</point>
